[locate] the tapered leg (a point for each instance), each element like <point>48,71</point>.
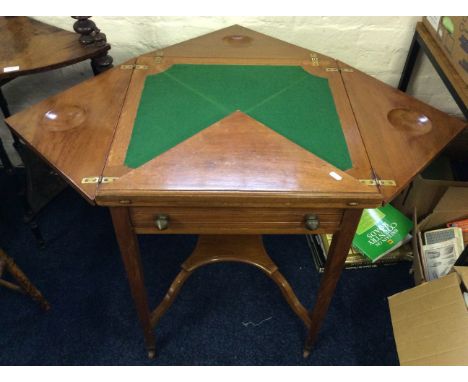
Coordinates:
<point>130,253</point>
<point>339,249</point>
<point>25,285</point>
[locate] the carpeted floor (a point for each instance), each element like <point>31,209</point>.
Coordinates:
<point>226,314</point>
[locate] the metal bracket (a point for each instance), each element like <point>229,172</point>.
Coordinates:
<point>372,182</point>
<point>314,59</point>
<point>137,67</point>
<point>339,70</point>
<point>368,182</point>
<point>93,179</point>
<point>159,56</point>
<point>98,179</point>
<point>387,182</point>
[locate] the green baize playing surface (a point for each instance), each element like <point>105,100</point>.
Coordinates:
<point>185,99</point>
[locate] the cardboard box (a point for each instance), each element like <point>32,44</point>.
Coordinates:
<point>452,206</point>
<point>429,187</point>
<point>424,195</point>
<point>451,34</point>
<point>430,321</point>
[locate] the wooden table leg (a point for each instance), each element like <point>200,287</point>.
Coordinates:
<point>338,252</point>
<point>24,285</point>
<point>130,253</point>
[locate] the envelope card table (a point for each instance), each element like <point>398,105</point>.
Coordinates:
<point>231,136</point>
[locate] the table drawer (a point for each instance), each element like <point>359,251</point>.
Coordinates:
<point>198,220</point>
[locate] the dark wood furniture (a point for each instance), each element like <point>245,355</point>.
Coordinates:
<point>235,180</point>
<point>30,46</point>
<point>452,80</point>
<point>7,264</point>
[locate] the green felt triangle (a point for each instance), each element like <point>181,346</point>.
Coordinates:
<point>185,99</point>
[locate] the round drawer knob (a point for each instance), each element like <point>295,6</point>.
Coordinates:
<point>312,222</point>
<point>162,222</point>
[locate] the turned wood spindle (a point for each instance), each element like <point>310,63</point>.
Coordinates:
<point>86,28</point>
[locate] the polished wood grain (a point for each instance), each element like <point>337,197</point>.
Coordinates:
<point>210,220</point>
<point>401,134</point>
<point>128,244</point>
<point>238,154</point>
<point>239,42</point>
<point>246,249</point>
<point>73,131</point>
<point>34,46</point>
<point>336,258</point>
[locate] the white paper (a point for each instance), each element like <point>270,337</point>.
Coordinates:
<point>439,258</point>
<point>10,69</point>
<point>434,21</point>
<point>438,235</point>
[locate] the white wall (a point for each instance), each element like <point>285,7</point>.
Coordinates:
<point>375,45</point>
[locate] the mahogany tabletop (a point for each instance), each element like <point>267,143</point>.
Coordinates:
<point>238,159</point>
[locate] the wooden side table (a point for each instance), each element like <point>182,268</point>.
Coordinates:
<point>30,46</point>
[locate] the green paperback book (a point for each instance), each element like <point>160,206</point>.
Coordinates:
<point>380,231</point>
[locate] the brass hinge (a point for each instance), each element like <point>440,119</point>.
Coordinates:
<point>339,70</point>
<point>387,182</point>
<point>368,182</point>
<point>314,59</point>
<point>137,67</point>
<point>380,182</point>
<point>99,179</point>
<point>93,179</point>
<point>159,56</point>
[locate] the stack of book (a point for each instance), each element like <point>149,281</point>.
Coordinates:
<point>382,238</point>
<point>319,245</point>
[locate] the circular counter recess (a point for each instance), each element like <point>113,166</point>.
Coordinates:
<point>63,118</point>
<point>409,120</point>
<point>237,40</point>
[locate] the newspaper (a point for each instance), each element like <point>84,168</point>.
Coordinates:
<point>439,258</point>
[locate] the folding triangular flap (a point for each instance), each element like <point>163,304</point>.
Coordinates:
<point>401,134</point>
<point>238,153</point>
<point>73,131</point>
<point>240,42</point>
